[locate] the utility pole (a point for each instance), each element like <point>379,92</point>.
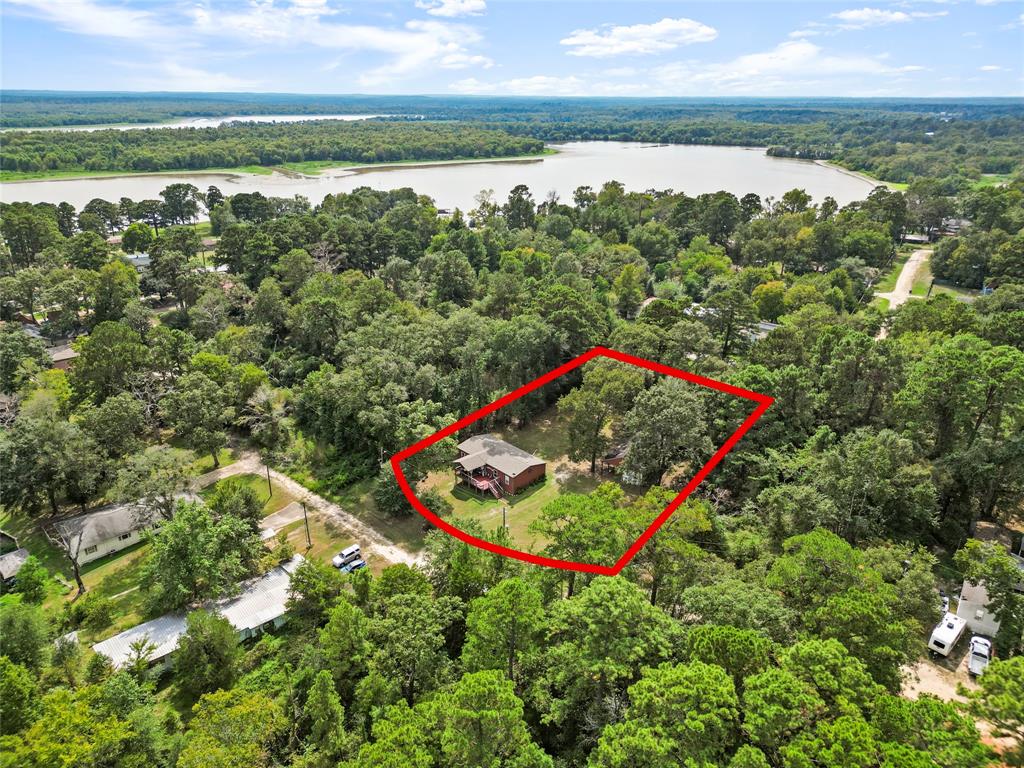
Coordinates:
<point>270,488</point>
<point>305,518</point>
<point>504,519</point>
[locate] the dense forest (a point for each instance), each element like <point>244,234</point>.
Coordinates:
<point>239,144</point>
<point>893,140</point>
<point>769,623</point>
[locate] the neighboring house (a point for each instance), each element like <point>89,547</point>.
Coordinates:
<point>973,608</point>
<point>10,564</point>
<point>63,356</point>
<point>613,459</point>
<point>260,605</point>
<point>93,535</point>
<point>954,226</point>
<point>137,260</point>
<point>490,465</point>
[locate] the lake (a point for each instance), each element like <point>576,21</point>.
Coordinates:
<point>683,168</point>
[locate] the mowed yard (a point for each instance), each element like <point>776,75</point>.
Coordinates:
<point>117,577</point>
<point>545,436</point>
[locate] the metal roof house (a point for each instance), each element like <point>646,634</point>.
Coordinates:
<point>111,529</point>
<point>260,605</point>
<point>490,465</point>
<point>10,564</point>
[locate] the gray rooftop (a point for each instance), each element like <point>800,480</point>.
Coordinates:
<point>260,600</point>
<point>495,452</point>
<point>11,563</point>
<point>59,354</point>
<point>103,524</point>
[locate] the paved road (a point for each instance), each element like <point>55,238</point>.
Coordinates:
<point>369,538</point>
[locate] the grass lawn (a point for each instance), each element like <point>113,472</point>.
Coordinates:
<point>313,167</point>
<point>881,304</point>
<point>29,536</point>
<point>204,463</point>
<point>544,436</point>
<point>407,531</point>
<point>278,499</point>
<point>328,540</point>
<point>965,294</point>
<point>922,279</point>
<point>992,180</point>
<point>117,577</point>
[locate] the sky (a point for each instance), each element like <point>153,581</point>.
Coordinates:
<point>517,47</point>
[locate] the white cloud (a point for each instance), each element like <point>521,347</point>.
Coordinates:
<point>172,75</point>
<point>452,8</point>
<point>620,72</point>
<point>638,39</point>
<point>990,68</point>
<point>792,67</point>
<point>870,17</point>
<point>461,60</point>
<point>414,48</point>
<point>787,69</point>
<point>84,17</point>
<point>863,18</point>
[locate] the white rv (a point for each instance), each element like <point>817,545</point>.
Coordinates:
<point>946,634</point>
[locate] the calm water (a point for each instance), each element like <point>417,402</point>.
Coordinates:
<point>689,169</point>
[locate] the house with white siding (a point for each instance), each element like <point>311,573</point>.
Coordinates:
<point>260,605</point>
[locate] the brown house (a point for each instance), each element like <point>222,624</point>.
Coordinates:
<point>490,465</point>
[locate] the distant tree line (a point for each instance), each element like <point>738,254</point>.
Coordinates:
<point>239,144</point>
<point>893,140</point>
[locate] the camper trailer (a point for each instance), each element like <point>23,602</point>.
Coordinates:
<point>946,634</point>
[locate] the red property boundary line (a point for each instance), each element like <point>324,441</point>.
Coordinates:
<point>763,403</point>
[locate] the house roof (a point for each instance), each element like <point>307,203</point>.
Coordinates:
<point>11,563</point>
<point>495,452</point>
<point>975,594</point>
<point>103,524</point>
<point>260,600</point>
<point>58,354</point>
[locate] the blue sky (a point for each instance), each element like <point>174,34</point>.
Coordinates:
<point>500,47</point>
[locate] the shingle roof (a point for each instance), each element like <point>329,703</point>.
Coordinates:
<point>495,452</point>
<point>103,524</point>
<point>261,600</point>
<point>11,563</point>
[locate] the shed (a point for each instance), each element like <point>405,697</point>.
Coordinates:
<point>10,564</point>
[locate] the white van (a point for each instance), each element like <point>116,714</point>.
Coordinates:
<point>346,556</point>
<point>946,634</point>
